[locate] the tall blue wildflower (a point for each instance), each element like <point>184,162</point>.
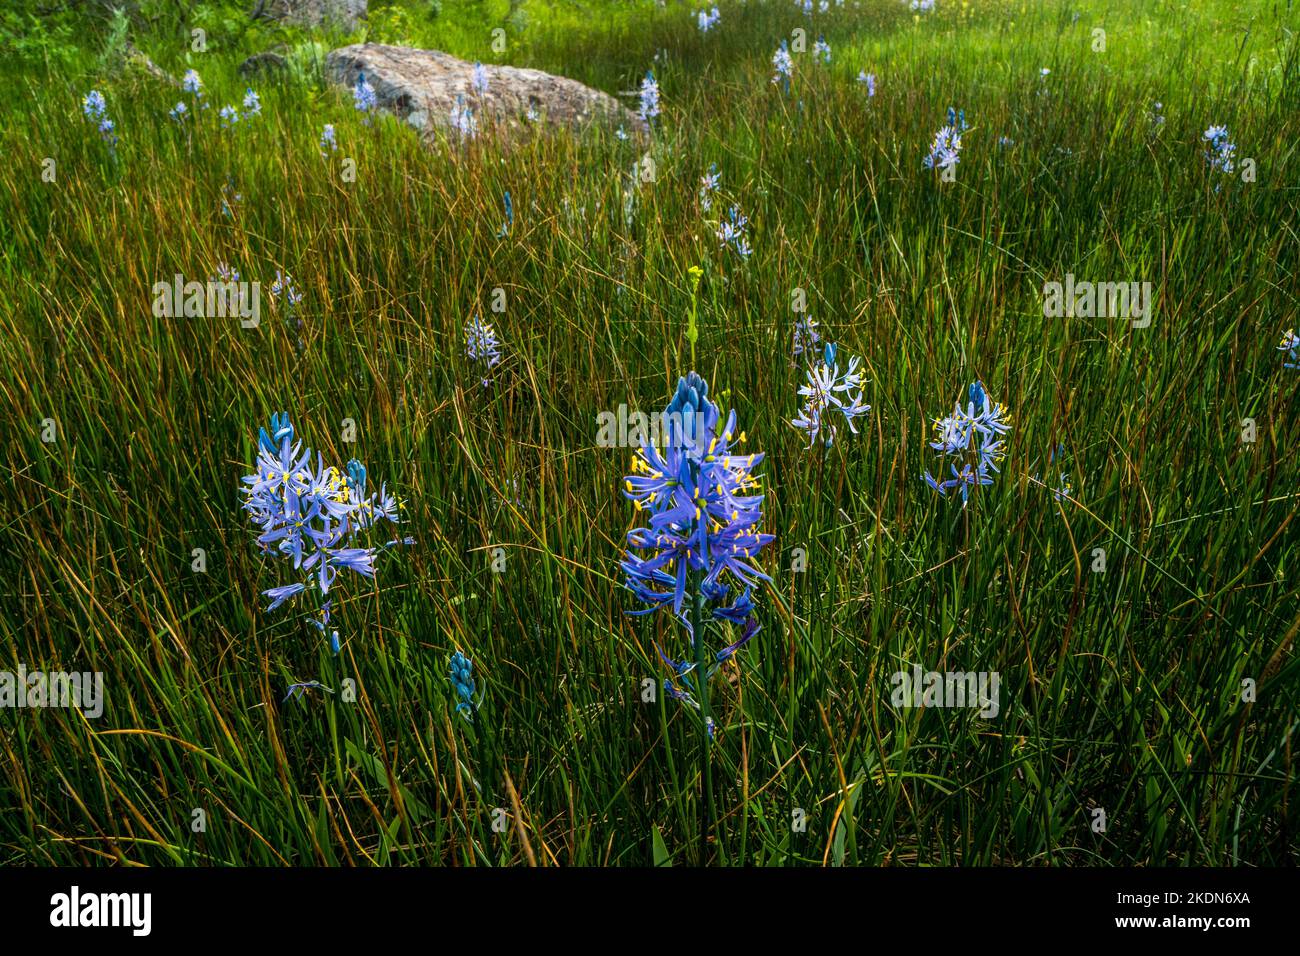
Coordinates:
<point>95,107</point>
<point>946,149</point>
<point>822,51</point>
<point>649,94</point>
<point>482,346</point>
<point>734,232</point>
<point>869,81</point>
<point>461,674</point>
<point>806,338</point>
<point>1220,150</point>
<point>830,391</point>
<point>321,521</point>
<point>283,290</point>
<point>701,510</point>
<point>479,80</point>
<point>709,184</point>
<point>783,65</point>
<point>707,19</point>
<point>970,443</point>
<point>462,120</point>
<point>363,95</point>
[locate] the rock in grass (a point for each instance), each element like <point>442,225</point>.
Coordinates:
<point>343,14</point>
<point>264,63</point>
<point>425,87</point>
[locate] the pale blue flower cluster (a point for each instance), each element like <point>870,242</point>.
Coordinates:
<point>734,232</point>
<point>191,83</point>
<point>328,143</point>
<point>822,51</point>
<point>708,19</point>
<point>869,81</point>
<point>827,392</point>
<point>709,184</point>
<point>806,337</point>
<point>970,443</point>
<point>363,95</point>
<point>318,517</point>
<point>462,120</point>
<point>1220,151</point>
<point>783,65</point>
<point>479,80</point>
<point>649,94</point>
<point>946,149</point>
<point>283,290</point>
<point>95,107</point>
<point>482,346</point>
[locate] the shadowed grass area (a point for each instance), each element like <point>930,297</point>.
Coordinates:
<point>1121,690</point>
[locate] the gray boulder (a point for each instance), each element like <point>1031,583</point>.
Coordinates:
<point>344,14</point>
<point>425,87</point>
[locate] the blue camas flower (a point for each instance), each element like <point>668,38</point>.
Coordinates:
<point>783,65</point>
<point>806,338</point>
<point>1220,151</point>
<point>363,94</point>
<point>461,673</point>
<point>649,94</point>
<point>481,346</point>
<point>830,391</point>
<point>946,149</point>
<point>709,184</point>
<point>95,107</point>
<point>970,443</point>
<point>317,519</point>
<point>701,511</point>
<point>734,232</point>
<point>283,290</point>
<point>462,120</point>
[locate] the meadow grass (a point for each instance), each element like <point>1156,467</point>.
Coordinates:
<point>1121,691</point>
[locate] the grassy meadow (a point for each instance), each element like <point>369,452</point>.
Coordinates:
<point>1163,691</point>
